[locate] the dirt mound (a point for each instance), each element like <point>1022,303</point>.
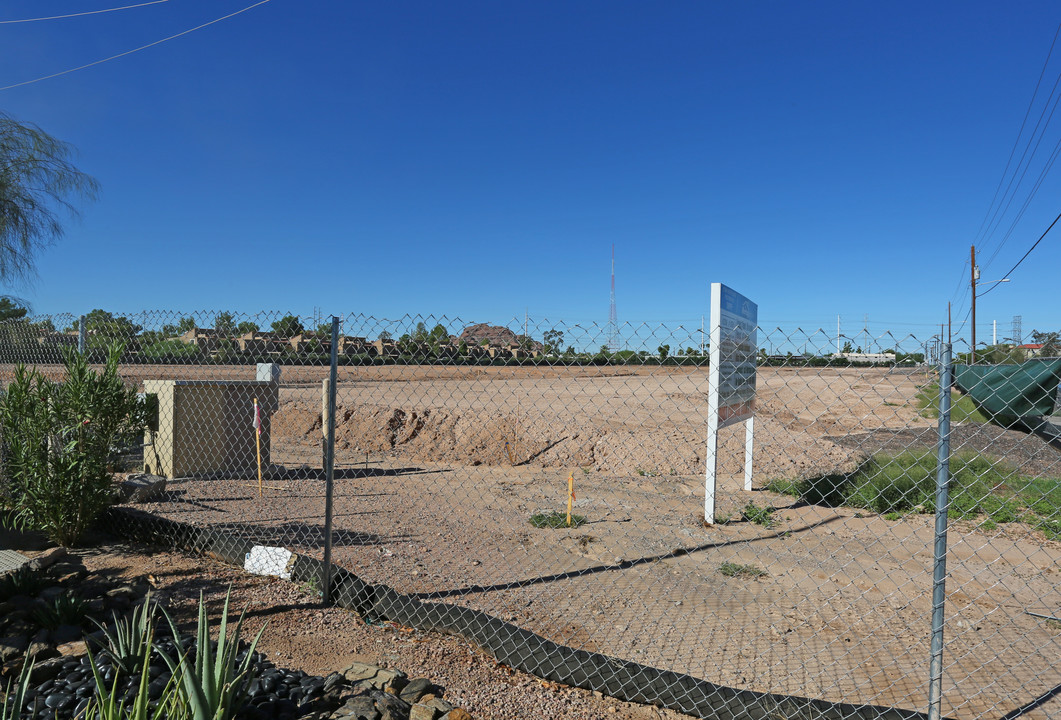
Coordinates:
<point>497,438</point>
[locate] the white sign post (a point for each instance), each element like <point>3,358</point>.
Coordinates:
<point>731,380</point>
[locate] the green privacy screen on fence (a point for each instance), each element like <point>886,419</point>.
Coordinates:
<point>1009,392</point>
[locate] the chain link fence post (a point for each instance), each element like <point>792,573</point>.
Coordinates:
<point>939,566</point>
<point>329,465</point>
<point>82,335</point>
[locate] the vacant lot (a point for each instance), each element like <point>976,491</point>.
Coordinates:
<point>440,469</point>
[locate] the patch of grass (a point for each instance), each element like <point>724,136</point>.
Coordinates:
<point>784,486</point>
<point>893,516</point>
<point>730,569</point>
<point>1053,624</point>
<point>763,516</point>
<point>980,488</point>
<point>962,407</point>
<point>554,519</point>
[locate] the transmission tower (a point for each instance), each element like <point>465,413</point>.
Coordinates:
<point>1018,334</point>
<point>613,317</point>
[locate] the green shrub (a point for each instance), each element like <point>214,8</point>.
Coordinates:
<point>763,516</point>
<point>59,438</point>
<point>731,569</point>
<point>554,519</point>
<point>895,484</point>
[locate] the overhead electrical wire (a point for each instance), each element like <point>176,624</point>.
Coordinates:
<point>1020,133</point>
<point>80,14</point>
<point>1025,256</point>
<point>1020,180</point>
<point>134,50</point>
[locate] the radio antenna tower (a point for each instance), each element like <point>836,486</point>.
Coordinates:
<point>613,318</point>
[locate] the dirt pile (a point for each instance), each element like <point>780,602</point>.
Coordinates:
<point>496,438</point>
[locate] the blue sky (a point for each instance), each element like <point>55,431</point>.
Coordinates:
<point>480,159</point>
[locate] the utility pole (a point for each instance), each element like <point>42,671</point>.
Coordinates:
<point>974,274</point>
<point>837,334</point>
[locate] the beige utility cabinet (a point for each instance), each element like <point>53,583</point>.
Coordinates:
<point>206,427</point>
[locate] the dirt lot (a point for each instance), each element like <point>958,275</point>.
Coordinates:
<point>441,468</point>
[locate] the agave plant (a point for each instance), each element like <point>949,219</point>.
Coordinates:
<point>125,643</point>
<point>215,686</point>
<point>109,703</point>
<point>23,581</point>
<point>14,698</point>
<point>66,609</point>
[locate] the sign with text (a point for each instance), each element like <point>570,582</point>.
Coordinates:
<point>731,380</point>
<point>734,319</point>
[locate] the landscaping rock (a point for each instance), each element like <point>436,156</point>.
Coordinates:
<point>141,488</point>
<point>12,647</point>
<point>423,712</point>
<point>46,558</point>
<point>415,690</point>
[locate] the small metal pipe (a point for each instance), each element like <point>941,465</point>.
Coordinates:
<point>939,565</point>
<point>329,464</point>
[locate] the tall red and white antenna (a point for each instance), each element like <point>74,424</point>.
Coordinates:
<point>613,317</point>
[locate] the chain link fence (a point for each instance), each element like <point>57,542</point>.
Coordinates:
<point>550,487</point>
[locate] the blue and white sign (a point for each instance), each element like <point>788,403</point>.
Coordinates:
<point>731,380</point>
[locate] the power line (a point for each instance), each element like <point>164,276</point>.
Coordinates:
<point>135,50</point>
<point>89,12</point>
<point>1034,245</point>
<point>1016,141</point>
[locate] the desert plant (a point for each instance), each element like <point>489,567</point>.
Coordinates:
<point>14,695</point>
<point>65,609</point>
<point>111,704</point>
<point>23,581</point>
<point>759,515</point>
<point>215,686</point>
<point>732,569</point>
<point>124,640</point>
<point>59,439</point>
<point>554,519</point>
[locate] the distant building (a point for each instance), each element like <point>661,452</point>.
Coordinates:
<point>875,358</point>
<point>1031,349</point>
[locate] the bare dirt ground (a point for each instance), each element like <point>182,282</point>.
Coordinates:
<point>441,468</point>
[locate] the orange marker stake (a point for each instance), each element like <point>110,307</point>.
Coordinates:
<point>258,441</point>
<point>570,495</point>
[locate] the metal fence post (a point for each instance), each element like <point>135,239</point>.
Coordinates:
<point>329,463</point>
<point>82,335</point>
<point>939,566</point>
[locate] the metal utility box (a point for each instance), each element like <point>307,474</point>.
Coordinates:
<point>206,427</point>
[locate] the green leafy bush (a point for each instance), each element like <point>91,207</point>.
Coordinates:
<point>58,441</point>
<point>896,484</point>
